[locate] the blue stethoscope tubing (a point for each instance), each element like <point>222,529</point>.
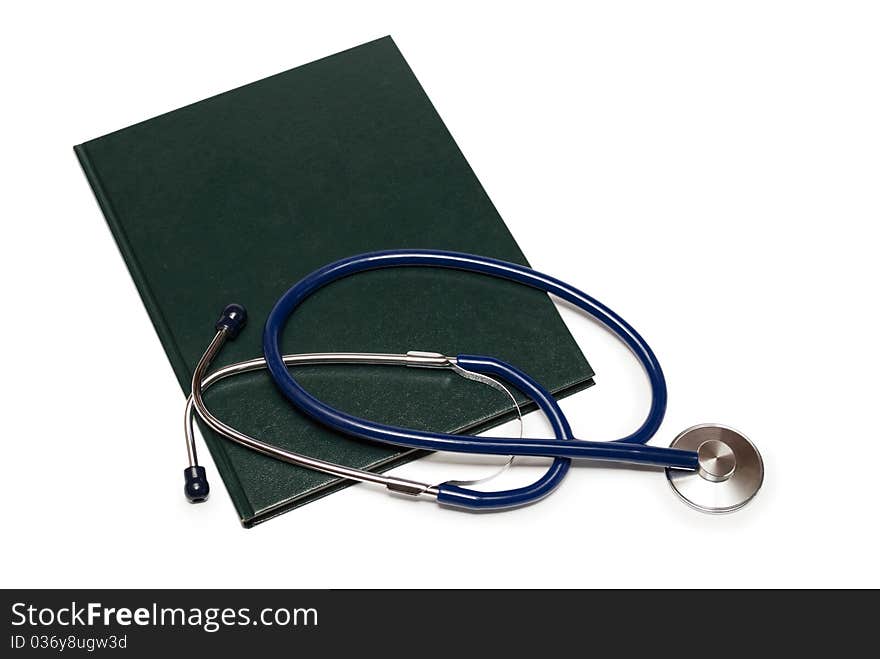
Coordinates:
<point>631,449</point>
<point>455,495</point>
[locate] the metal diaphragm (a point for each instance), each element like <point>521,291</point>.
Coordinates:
<point>730,473</point>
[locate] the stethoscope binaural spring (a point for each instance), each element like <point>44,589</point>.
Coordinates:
<point>713,468</point>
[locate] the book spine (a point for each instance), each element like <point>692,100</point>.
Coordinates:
<point>178,363</point>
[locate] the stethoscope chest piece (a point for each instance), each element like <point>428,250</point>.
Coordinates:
<point>730,474</point>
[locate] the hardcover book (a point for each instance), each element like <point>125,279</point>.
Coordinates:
<point>235,198</point>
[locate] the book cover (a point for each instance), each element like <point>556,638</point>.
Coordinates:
<point>236,197</point>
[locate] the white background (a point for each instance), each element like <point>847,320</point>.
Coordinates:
<point>709,169</point>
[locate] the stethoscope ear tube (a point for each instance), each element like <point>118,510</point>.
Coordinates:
<point>452,493</point>
<point>232,320</point>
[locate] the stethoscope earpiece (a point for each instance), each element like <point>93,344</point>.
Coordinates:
<point>196,488</point>
<point>233,318</point>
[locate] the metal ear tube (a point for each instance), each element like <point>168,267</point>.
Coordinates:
<point>414,359</point>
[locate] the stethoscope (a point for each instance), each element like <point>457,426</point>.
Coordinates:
<point>711,467</point>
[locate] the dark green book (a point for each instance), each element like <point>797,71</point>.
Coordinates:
<point>235,198</point>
